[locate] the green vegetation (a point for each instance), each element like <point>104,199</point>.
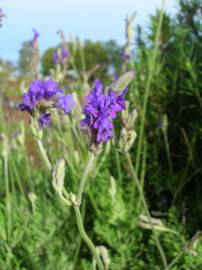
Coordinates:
<point>143,207</point>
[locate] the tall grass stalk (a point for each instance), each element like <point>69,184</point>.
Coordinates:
<point>8,199</point>
<point>147,90</point>
<point>167,148</point>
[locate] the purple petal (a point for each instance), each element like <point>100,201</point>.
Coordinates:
<point>45,120</point>
<point>64,54</point>
<point>65,102</point>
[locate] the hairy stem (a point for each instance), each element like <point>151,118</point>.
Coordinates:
<point>84,178</point>
<point>44,155</point>
<point>79,199</point>
<point>86,239</point>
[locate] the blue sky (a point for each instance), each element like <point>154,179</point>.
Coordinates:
<point>87,19</point>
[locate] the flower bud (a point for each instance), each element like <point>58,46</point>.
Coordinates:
<point>165,123</point>
<point>36,131</point>
<point>127,139</point>
<point>153,224</point>
<point>132,117</point>
<point>104,254</point>
<point>123,81</point>
<point>112,189</point>
<point>59,175</point>
<point>128,134</point>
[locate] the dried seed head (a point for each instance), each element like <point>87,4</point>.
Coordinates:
<point>127,139</point>
<point>128,134</point>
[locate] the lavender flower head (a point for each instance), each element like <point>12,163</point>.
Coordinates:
<point>127,54</point>
<point>41,97</point>
<point>64,54</point>
<point>60,56</point>
<point>100,110</point>
<point>34,41</point>
<point>1,16</point>
<point>56,58</point>
<point>45,120</point>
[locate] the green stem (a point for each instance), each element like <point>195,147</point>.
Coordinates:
<point>147,91</point>
<point>8,201</point>
<point>86,239</point>
<point>175,260</point>
<point>143,168</point>
<point>79,241</point>
<point>167,148</point>
<point>118,164</point>
<point>142,197</point>
<point>15,171</point>
<point>84,178</point>
<point>44,155</point>
<point>97,211</point>
<point>79,199</point>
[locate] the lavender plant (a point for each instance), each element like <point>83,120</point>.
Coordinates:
<point>100,110</point>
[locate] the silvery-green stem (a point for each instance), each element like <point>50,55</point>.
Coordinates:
<point>86,239</point>
<point>8,201</point>
<point>175,260</point>
<point>84,178</point>
<point>76,208</point>
<point>44,155</point>
<point>147,89</point>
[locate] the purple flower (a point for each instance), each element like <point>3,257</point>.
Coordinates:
<point>35,38</point>
<point>15,134</point>
<point>1,15</point>
<point>45,120</point>
<point>51,89</point>
<point>100,110</point>
<point>60,56</point>
<point>43,95</point>
<point>55,58</point>
<point>126,56</point>
<point>64,54</point>
<point>65,102</point>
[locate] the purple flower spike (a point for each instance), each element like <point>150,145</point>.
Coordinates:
<point>55,58</point>
<point>65,102</point>
<point>35,38</point>
<point>1,15</point>
<point>64,54</point>
<point>60,56</point>
<point>45,120</point>
<point>51,89</point>
<point>100,110</point>
<point>41,97</point>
